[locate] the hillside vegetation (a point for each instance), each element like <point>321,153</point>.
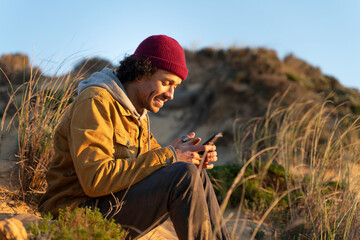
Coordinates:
<point>224,84</point>
<point>292,134</point>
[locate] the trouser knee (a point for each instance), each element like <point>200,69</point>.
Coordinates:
<point>187,179</point>
<point>187,172</point>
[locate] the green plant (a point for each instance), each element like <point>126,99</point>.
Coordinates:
<point>259,190</point>
<point>292,77</point>
<point>81,223</point>
<point>356,109</point>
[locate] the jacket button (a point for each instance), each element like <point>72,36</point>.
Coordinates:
<point>168,160</point>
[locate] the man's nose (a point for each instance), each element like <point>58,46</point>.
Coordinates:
<point>170,93</point>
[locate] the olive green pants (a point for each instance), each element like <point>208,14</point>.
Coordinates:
<point>180,191</point>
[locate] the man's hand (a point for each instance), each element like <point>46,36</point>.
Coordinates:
<point>188,151</point>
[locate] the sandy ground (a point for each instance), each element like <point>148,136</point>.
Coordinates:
<point>243,229</point>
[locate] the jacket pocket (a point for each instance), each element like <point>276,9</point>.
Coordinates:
<point>125,146</point>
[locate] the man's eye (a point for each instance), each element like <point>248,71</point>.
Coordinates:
<point>168,83</point>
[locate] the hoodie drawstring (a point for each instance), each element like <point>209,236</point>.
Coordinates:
<point>148,125</point>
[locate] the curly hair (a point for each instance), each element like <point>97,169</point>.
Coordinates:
<point>133,68</point>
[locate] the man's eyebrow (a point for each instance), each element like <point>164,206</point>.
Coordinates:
<point>172,81</point>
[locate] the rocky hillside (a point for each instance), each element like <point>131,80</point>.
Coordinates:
<point>224,85</point>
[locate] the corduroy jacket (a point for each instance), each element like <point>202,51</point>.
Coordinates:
<point>100,148</point>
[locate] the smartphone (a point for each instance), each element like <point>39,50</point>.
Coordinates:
<point>212,139</point>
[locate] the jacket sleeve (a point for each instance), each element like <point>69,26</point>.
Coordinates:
<point>154,144</point>
<point>92,150</point>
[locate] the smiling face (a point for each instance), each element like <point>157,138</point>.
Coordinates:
<point>152,92</point>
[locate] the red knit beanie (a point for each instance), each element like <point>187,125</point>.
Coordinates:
<point>165,53</point>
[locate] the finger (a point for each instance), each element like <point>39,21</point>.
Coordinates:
<point>201,148</point>
<point>210,148</point>
<point>197,156</point>
<point>191,135</point>
<point>214,155</point>
<point>196,162</point>
<point>209,166</point>
<point>195,141</point>
<point>211,154</point>
<point>193,155</point>
<point>211,159</point>
<point>185,138</point>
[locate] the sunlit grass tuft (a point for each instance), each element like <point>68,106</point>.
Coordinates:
<point>39,104</point>
<point>318,150</point>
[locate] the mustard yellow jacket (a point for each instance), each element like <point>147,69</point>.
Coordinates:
<point>100,148</point>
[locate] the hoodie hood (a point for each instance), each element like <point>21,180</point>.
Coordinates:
<point>107,79</point>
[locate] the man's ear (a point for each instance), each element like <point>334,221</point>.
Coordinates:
<point>144,78</point>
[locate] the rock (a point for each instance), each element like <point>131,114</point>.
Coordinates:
<point>12,229</point>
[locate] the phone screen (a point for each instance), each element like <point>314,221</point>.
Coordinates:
<point>212,140</point>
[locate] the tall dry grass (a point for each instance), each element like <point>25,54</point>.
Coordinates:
<point>39,104</point>
<point>320,152</point>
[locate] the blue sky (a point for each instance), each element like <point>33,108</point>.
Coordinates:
<point>325,33</point>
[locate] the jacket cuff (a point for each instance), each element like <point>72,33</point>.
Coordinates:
<point>174,153</point>
<point>166,155</point>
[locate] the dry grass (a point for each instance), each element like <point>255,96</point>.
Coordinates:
<point>39,105</point>
<point>310,141</point>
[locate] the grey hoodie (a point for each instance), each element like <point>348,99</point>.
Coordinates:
<point>107,79</point>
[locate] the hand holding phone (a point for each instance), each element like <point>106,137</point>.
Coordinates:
<point>212,140</point>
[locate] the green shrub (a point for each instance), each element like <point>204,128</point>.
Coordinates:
<point>356,109</point>
<point>292,77</point>
<point>259,191</point>
<point>81,223</point>
<point>222,178</point>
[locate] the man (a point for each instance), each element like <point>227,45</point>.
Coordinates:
<point>106,157</point>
